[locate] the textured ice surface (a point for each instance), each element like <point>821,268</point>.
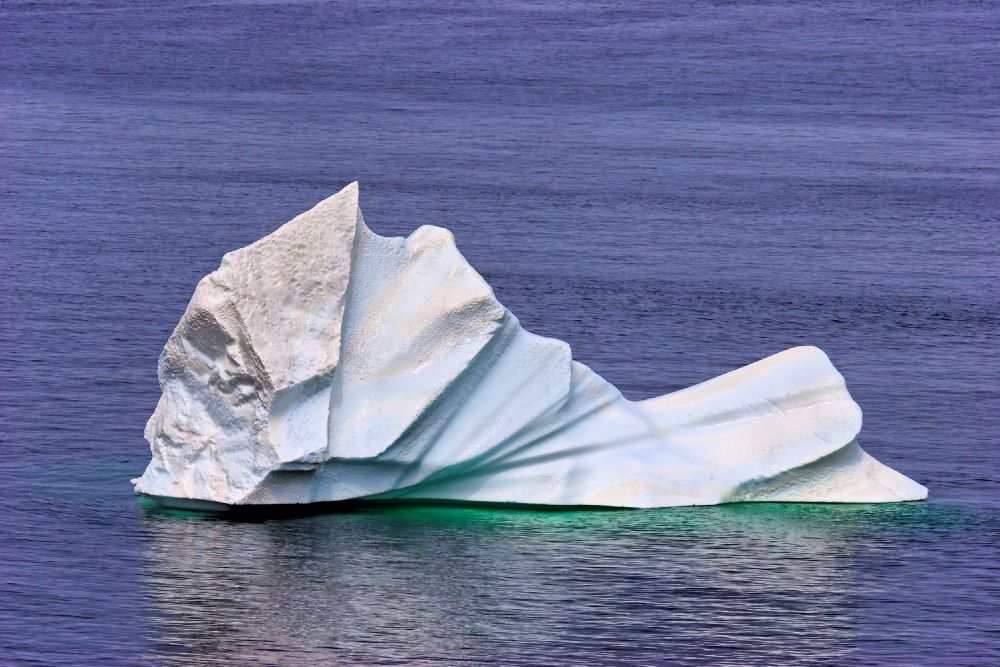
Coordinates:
<point>325,362</point>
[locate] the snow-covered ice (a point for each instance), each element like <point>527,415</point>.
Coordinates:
<point>325,362</point>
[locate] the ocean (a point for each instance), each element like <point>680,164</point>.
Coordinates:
<point>676,189</point>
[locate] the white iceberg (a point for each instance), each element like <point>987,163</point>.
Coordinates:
<point>327,363</point>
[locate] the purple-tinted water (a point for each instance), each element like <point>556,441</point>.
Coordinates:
<point>675,189</point>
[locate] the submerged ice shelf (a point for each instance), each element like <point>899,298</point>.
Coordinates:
<point>326,363</point>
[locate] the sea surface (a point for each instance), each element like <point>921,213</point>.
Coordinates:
<point>677,189</point>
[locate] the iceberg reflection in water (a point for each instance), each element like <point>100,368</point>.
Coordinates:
<point>418,583</point>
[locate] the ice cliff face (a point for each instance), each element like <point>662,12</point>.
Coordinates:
<point>325,362</point>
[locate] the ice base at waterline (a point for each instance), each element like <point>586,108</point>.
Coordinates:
<point>326,363</point>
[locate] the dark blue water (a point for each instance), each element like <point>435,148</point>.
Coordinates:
<point>675,189</point>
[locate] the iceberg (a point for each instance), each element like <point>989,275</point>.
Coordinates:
<point>327,363</point>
